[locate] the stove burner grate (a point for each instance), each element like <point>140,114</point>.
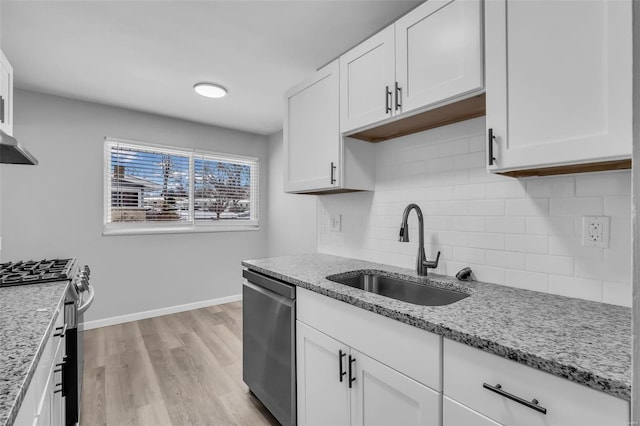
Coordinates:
<point>32,272</point>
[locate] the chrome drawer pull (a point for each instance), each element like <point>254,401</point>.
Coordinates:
<point>533,404</point>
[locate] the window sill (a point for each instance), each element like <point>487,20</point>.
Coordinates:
<point>107,232</point>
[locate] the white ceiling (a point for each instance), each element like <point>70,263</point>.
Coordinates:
<point>147,55</point>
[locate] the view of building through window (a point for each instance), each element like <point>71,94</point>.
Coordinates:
<point>152,184</point>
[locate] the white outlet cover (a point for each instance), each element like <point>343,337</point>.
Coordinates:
<point>595,231</point>
<point>335,223</point>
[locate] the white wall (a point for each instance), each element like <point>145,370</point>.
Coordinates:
<point>292,217</point>
<point>55,209</point>
<point>519,232</point>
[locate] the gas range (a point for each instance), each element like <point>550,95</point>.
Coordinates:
<point>36,272</point>
<point>78,299</point>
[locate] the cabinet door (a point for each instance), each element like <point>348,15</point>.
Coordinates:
<point>322,398</point>
<point>6,93</point>
<point>382,396</point>
<point>367,80</point>
<point>456,414</point>
<point>312,140</point>
<point>439,52</point>
<point>558,81</point>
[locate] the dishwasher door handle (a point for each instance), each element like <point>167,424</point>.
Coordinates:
<point>279,287</point>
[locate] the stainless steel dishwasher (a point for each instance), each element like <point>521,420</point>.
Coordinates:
<point>269,343</point>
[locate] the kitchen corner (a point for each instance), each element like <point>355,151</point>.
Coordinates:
<point>239,201</point>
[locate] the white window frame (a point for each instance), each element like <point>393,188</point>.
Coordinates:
<point>137,228</point>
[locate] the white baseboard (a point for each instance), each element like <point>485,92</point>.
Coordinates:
<point>88,325</point>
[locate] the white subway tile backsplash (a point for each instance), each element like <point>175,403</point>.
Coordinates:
<point>617,206</point>
<point>572,246</point>
<point>527,280</point>
<point>527,207</point>
<point>518,232</point>
<point>453,208</point>
<point>477,143</point>
<point>469,223</point>
<point>509,189</point>
<point>486,207</point>
<point>576,287</point>
<point>486,240</point>
<point>557,187</point>
<point>604,183</point>
<point>505,259</point>
<point>527,243</point>
<point>558,265</point>
<point>457,147</point>
<point>469,192</point>
<point>576,206</point>
<point>506,224</point>
<point>468,161</point>
<point>545,225</point>
<point>469,255</point>
<point>616,293</point>
<point>486,273</point>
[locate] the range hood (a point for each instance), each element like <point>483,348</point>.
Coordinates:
<point>11,152</point>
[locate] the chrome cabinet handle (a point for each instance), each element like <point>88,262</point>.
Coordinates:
<point>492,139</point>
<point>352,379</point>
<point>398,96</point>
<point>333,171</point>
<point>533,404</point>
<point>387,100</point>
<point>1,109</point>
<point>340,356</point>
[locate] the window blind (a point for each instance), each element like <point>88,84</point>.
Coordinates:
<point>150,186</point>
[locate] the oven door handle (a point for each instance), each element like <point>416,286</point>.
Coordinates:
<point>89,301</point>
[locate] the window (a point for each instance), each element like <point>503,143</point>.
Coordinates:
<point>161,189</point>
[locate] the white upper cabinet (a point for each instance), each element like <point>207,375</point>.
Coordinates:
<point>6,95</point>
<point>318,159</point>
<point>312,137</point>
<point>427,58</point>
<point>439,52</point>
<point>558,80</point>
<point>367,80</point>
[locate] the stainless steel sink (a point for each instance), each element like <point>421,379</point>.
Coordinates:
<point>400,289</point>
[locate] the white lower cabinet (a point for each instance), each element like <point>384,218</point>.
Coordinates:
<point>456,414</point>
<point>485,385</point>
<point>338,385</point>
<point>322,398</point>
<point>43,404</point>
<point>382,396</point>
<point>358,368</point>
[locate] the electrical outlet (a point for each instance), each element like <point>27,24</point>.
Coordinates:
<point>335,222</point>
<point>595,231</point>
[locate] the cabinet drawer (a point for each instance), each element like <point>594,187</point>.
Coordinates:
<point>467,369</point>
<point>409,350</point>
<point>456,414</point>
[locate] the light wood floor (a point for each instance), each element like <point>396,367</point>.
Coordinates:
<point>180,369</point>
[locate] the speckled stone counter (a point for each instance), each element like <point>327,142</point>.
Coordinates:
<point>27,314</point>
<point>586,342</point>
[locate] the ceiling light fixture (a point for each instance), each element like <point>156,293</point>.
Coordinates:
<point>210,90</point>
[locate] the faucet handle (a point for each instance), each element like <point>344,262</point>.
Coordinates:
<point>433,264</point>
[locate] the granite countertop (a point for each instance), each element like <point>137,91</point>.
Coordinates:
<point>583,341</point>
<point>27,314</point>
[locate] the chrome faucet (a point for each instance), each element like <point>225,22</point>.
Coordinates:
<point>422,264</point>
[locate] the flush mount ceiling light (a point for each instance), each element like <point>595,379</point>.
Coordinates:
<point>210,90</point>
